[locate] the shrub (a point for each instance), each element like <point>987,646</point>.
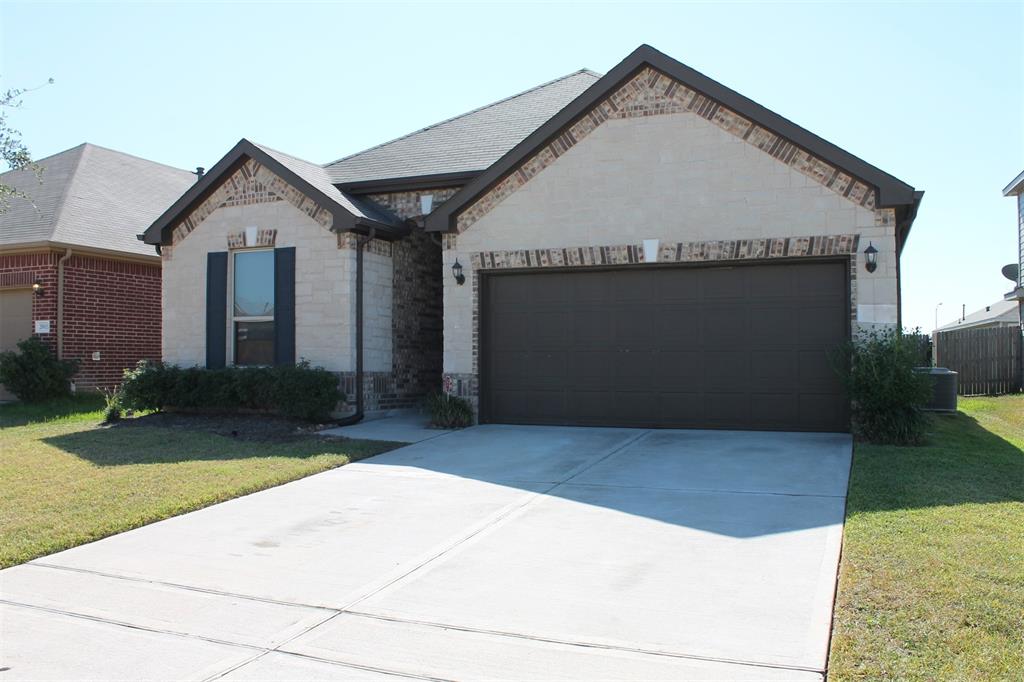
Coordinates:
<point>886,394</point>
<point>111,405</point>
<point>298,391</point>
<point>34,374</point>
<point>449,412</point>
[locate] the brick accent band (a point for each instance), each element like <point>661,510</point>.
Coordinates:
<point>652,93</point>
<point>252,184</point>
<point>671,252</point>
<point>265,236</point>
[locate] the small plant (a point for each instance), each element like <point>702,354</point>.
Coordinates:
<point>298,391</point>
<point>111,405</point>
<point>886,394</point>
<point>449,411</point>
<point>33,373</point>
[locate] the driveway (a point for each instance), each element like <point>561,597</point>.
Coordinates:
<point>497,552</point>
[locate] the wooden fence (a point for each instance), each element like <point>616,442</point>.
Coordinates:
<point>988,360</point>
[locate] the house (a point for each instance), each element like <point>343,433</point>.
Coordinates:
<point>645,248</point>
<point>1016,189</point>
<point>999,314</point>
<point>72,270</point>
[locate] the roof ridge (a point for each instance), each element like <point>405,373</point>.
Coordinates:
<point>464,114</point>
<point>134,156</point>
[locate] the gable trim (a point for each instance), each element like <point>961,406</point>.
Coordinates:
<point>161,231</point>
<point>711,99</point>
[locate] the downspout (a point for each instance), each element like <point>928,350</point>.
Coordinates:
<point>60,303</point>
<point>357,417</point>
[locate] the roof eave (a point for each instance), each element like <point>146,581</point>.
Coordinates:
<point>892,192</point>
<point>343,221</point>
<point>1015,187</point>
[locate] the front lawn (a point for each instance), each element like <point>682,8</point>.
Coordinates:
<point>65,480</point>
<point>932,577</point>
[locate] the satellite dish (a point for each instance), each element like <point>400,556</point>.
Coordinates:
<point>1011,272</point>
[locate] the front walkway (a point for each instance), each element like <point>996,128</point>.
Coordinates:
<point>497,552</point>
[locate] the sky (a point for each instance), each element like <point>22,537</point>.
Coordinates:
<point>932,93</point>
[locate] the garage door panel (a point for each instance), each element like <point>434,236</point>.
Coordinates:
<point>774,410</point>
<point>818,325</point>
<point>592,370</point>
<point>725,326</point>
<point>772,325</point>
<point>727,410</point>
<point>740,347</point>
<point>723,283</point>
<point>677,325</point>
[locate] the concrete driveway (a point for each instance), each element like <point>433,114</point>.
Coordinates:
<point>498,552</point>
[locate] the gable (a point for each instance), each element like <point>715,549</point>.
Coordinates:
<point>252,183</point>
<point>652,93</point>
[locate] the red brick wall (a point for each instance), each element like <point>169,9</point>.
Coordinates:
<point>110,306</point>
<point>21,270</point>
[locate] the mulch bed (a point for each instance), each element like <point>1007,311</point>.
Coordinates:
<point>254,427</point>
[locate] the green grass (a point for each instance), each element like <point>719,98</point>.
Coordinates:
<point>932,578</point>
<point>66,480</point>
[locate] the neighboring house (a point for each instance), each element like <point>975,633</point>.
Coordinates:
<point>72,270</point>
<point>643,248</point>
<point>999,314</point>
<point>1016,188</point>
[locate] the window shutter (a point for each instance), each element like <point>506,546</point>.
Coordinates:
<point>216,308</point>
<point>284,306</point>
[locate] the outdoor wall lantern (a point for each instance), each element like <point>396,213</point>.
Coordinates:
<point>460,278</point>
<point>870,258</point>
<point>37,287</point>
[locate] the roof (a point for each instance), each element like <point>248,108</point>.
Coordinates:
<point>892,192</point>
<point>1015,187</point>
<point>90,197</point>
<point>465,144</point>
<point>1000,313</point>
<point>350,212</point>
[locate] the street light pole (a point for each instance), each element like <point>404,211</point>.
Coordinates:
<point>937,315</point>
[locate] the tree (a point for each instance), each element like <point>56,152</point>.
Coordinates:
<point>12,150</point>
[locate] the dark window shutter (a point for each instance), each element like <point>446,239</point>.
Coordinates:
<point>216,308</point>
<point>284,306</point>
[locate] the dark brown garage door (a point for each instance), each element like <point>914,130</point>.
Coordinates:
<point>743,347</point>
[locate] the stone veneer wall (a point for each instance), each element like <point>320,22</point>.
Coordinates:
<point>652,93</point>
<point>657,161</point>
<point>324,273</point>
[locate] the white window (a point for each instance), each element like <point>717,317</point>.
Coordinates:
<point>253,307</point>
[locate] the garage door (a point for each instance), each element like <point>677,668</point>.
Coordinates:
<point>15,323</point>
<point>745,347</point>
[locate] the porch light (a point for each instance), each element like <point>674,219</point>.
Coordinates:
<point>37,287</point>
<point>871,258</point>
<point>460,278</point>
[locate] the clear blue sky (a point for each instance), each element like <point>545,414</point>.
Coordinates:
<point>931,93</point>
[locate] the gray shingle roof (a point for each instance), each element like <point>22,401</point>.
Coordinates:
<point>317,177</point>
<point>90,196</point>
<point>470,142</point>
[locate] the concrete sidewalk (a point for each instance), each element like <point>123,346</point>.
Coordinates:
<point>496,552</point>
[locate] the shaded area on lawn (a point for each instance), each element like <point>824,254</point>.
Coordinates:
<point>962,462</point>
<point>932,575</point>
<point>68,480</point>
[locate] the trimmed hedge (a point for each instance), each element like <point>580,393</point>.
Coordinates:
<point>298,391</point>
<point>34,374</point>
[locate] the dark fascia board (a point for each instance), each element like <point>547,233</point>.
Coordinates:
<point>905,216</point>
<point>409,183</point>
<point>892,192</point>
<point>160,231</point>
<point>1015,187</point>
